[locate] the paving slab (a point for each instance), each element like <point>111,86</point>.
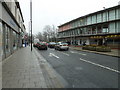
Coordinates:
<point>26,69</point>
<point>22,70</point>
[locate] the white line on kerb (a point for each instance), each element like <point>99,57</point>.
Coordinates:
<point>100,65</point>
<point>54,55</point>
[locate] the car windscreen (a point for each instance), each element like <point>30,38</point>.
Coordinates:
<point>41,43</point>
<point>52,43</point>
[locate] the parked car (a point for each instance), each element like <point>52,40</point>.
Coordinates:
<point>45,43</point>
<point>51,44</point>
<point>61,46</point>
<point>35,42</point>
<point>41,46</point>
<point>35,45</point>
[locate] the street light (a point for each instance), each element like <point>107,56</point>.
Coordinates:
<point>31,21</point>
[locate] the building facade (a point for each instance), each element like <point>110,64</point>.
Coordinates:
<point>98,28</point>
<point>11,27</point>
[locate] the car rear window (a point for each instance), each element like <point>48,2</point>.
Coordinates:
<point>52,43</point>
<point>64,43</point>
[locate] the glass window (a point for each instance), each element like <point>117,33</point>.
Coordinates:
<point>7,39</point>
<point>112,27</point>
<point>118,27</point>
<point>76,23</point>
<point>88,20</point>
<point>117,41</point>
<point>112,15</point>
<point>80,31</point>
<point>93,19</point>
<point>109,41</point>
<point>104,16</point>
<point>0,39</point>
<point>99,18</point>
<point>117,14</point>
<point>14,40</point>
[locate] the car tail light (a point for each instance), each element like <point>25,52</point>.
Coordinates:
<point>65,45</point>
<point>39,45</point>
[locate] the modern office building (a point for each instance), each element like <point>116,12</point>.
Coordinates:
<point>11,27</point>
<point>98,28</point>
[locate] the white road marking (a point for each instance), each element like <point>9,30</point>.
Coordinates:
<point>100,65</point>
<point>51,54</point>
<point>78,53</point>
<point>82,54</point>
<point>73,52</point>
<point>63,53</point>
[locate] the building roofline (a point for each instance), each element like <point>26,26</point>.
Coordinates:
<point>10,13</point>
<point>90,14</point>
<point>18,6</point>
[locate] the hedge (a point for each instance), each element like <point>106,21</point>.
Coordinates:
<point>97,48</point>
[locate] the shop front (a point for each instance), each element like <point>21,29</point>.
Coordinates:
<point>10,34</point>
<point>112,40</point>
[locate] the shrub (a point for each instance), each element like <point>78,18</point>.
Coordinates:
<point>97,48</point>
<point>92,48</point>
<point>103,49</point>
<point>85,47</point>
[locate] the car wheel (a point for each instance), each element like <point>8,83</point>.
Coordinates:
<point>59,49</point>
<point>55,49</point>
<point>67,49</point>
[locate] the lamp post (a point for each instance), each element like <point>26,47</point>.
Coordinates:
<point>31,21</point>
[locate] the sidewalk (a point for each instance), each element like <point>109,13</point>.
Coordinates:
<point>0,67</point>
<point>114,52</point>
<point>26,69</point>
<point>0,74</point>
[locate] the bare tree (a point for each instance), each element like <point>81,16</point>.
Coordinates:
<point>49,34</point>
<point>40,36</point>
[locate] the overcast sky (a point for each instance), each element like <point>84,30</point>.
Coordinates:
<point>57,12</point>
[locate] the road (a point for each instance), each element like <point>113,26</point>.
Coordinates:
<point>84,69</point>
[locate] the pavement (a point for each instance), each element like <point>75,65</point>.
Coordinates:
<point>114,52</point>
<point>0,66</point>
<point>26,69</point>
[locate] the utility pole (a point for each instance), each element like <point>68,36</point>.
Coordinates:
<point>31,21</point>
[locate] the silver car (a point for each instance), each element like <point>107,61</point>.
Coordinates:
<point>61,46</point>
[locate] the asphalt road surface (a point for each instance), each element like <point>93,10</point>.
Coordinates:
<point>84,69</point>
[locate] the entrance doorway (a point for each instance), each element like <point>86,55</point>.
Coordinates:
<point>100,42</point>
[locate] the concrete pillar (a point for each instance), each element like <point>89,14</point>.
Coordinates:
<point>96,30</point>
<point>91,30</point>
<point>11,41</point>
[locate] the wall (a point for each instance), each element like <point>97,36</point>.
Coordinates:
<point>7,18</point>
